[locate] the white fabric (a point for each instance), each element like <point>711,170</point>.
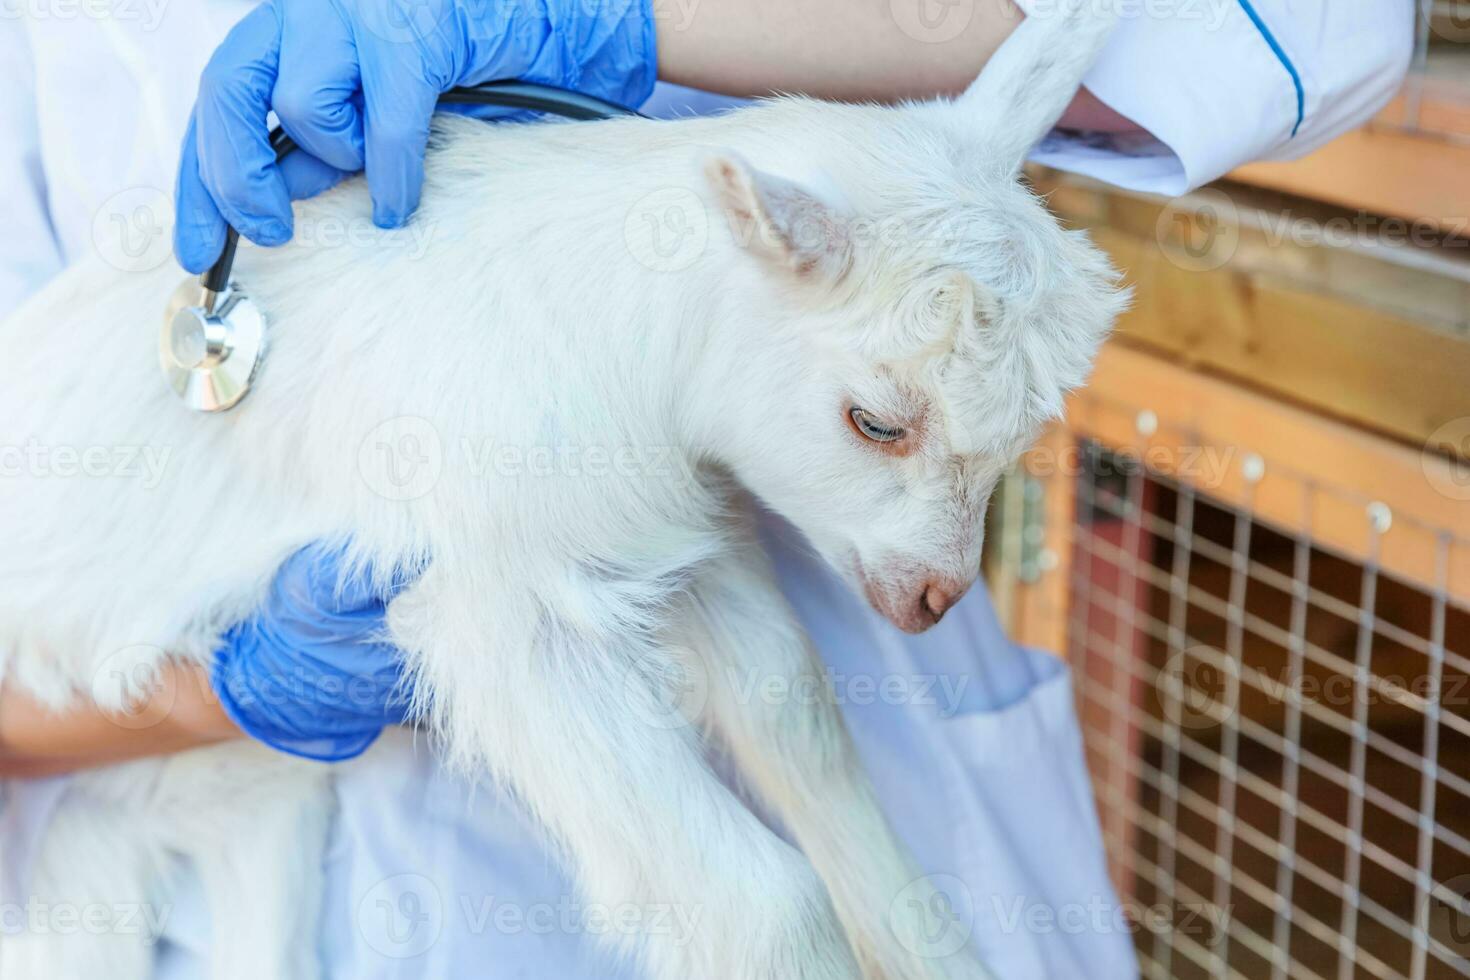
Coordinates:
<point>93,104</point>
<point>1202,77</point>
<point>25,809</point>
<point>984,777</point>
<point>29,254</point>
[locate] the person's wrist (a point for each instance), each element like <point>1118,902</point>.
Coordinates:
<point>235,691</point>
<point>609,51</point>
<point>177,711</point>
<point>197,710</point>
<point>639,25</point>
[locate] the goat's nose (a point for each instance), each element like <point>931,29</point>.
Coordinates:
<point>938,598</point>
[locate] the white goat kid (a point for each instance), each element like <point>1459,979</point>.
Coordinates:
<point>866,320</point>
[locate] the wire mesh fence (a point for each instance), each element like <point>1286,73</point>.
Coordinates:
<point>1279,735</point>
<point>1271,647</point>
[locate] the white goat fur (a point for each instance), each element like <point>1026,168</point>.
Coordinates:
<point>938,292</point>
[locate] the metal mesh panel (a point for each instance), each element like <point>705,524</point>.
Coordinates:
<point>1279,738</point>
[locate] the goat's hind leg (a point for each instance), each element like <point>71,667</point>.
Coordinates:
<point>95,904</point>
<point>584,729</point>
<point>256,833</point>
<point>795,750</point>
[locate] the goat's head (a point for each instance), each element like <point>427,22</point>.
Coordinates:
<point>930,315</point>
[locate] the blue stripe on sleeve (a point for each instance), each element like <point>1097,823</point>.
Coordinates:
<point>1281,55</point>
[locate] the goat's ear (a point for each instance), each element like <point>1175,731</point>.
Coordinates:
<point>1030,81</point>
<point>783,223</point>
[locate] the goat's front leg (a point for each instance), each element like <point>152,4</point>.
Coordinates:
<point>770,701</point>
<point>583,725</point>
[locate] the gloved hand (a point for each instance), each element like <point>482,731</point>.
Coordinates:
<point>311,673</point>
<point>354,83</point>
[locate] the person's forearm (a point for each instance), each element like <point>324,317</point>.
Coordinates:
<point>850,50</point>
<point>182,713</point>
<point>836,49</point>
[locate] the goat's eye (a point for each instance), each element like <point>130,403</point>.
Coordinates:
<point>870,428</point>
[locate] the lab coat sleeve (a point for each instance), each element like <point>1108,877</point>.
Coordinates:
<point>29,253</point>
<point>1222,83</point>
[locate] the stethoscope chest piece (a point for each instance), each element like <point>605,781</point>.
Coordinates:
<point>211,346</point>
<point>213,335</point>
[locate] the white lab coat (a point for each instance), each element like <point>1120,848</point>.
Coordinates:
<point>973,745</point>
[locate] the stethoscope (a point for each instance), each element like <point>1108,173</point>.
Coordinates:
<point>213,339</point>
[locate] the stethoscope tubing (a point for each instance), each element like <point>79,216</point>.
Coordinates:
<point>505,94</point>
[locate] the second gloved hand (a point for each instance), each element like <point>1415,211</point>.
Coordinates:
<point>311,673</point>
<point>354,83</point>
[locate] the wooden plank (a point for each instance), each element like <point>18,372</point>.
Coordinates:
<point>1382,344</point>
<point>1321,477</point>
<point>1441,108</point>
<point>1041,608</point>
<point>1373,367</point>
<point>1382,171</point>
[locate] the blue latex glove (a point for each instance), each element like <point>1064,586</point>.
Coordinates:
<point>354,83</point>
<point>310,673</point>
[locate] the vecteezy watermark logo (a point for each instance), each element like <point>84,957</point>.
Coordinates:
<point>674,15</point>
<point>401,459</point>
<point>130,687</point>
<point>667,690</point>
<point>667,230</point>
<point>1194,686</point>
<point>1203,466</point>
<point>401,917</point>
<point>1200,232</point>
<point>1450,21</point>
<point>933,916</point>
<point>490,458</point>
<point>1206,15</point>
<point>1449,476</point>
<point>146,13</point>
<point>1102,915</point>
<point>332,231</point>
<point>404,21</point>
<point>942,692</point>
<point>571,917</point>
<point>1362,229</point>
<point>41,461</point>
<point>130,229</point>
<point>1449,914</point>
<point>141,920</point>
<point>932,21</point>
